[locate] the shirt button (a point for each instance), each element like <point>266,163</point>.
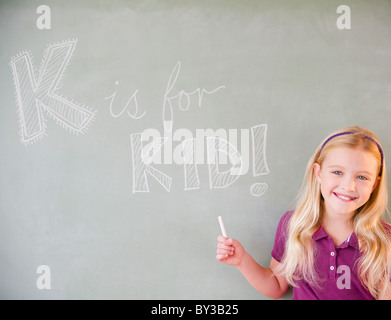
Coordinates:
<point>332,268</point>
<point>332,253</point>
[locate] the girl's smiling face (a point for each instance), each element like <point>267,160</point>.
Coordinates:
<point>347,178</point>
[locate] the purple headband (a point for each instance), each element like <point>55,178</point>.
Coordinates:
<point>363,135</point>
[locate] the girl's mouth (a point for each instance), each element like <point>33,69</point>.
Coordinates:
<point>344,197</point>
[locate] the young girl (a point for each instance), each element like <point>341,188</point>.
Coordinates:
<point>334,245</point>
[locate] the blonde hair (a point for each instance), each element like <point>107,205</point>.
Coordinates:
<point>374,239</point>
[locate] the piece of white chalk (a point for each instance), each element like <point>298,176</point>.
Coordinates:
<point>222,226</point>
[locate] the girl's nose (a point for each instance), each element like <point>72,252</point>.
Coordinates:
<point>348,184</point>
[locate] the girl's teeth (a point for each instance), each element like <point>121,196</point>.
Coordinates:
<point>344,198</point>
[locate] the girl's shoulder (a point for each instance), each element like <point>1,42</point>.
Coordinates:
<point>283,224</point>
<point>287,216</point>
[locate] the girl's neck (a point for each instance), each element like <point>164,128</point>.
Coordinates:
<point>338,227</point>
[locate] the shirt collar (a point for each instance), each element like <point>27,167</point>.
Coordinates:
<point>351,241</point>
<point>319,234</point>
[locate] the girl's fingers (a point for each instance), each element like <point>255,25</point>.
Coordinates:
<point>225,251</point>
<point>229,250</point>
<point>221,256</point>
<point>221,238</point>
<point>225,240</point>
<point>223,246</point>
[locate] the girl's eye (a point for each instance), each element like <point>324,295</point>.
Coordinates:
<point>338,173</point>
<point>362,178</point>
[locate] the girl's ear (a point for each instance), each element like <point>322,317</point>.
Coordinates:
<point>316,168</point>
<point>376,183</point>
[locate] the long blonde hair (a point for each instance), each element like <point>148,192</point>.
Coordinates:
<point>374,239</point>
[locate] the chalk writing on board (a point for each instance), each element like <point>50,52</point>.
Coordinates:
<point>181,99</point>
<point>217,178</point>
<point>148,146</point>
<point>38,93</point>
<point>259,150</point>
<point>132,99</point>
<point>142,165</point>
<point>258,189</point>
<point>192,180</point>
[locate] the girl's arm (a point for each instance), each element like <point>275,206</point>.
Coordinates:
<point>264,280</point>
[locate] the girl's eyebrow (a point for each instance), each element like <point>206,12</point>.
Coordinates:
<point>335,166</point>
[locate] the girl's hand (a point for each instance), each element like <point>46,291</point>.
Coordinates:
<point>229,251</point>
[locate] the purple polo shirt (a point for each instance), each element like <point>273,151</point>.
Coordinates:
<point>332,263</point>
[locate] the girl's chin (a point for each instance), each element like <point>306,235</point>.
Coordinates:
<point>341,210</point>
